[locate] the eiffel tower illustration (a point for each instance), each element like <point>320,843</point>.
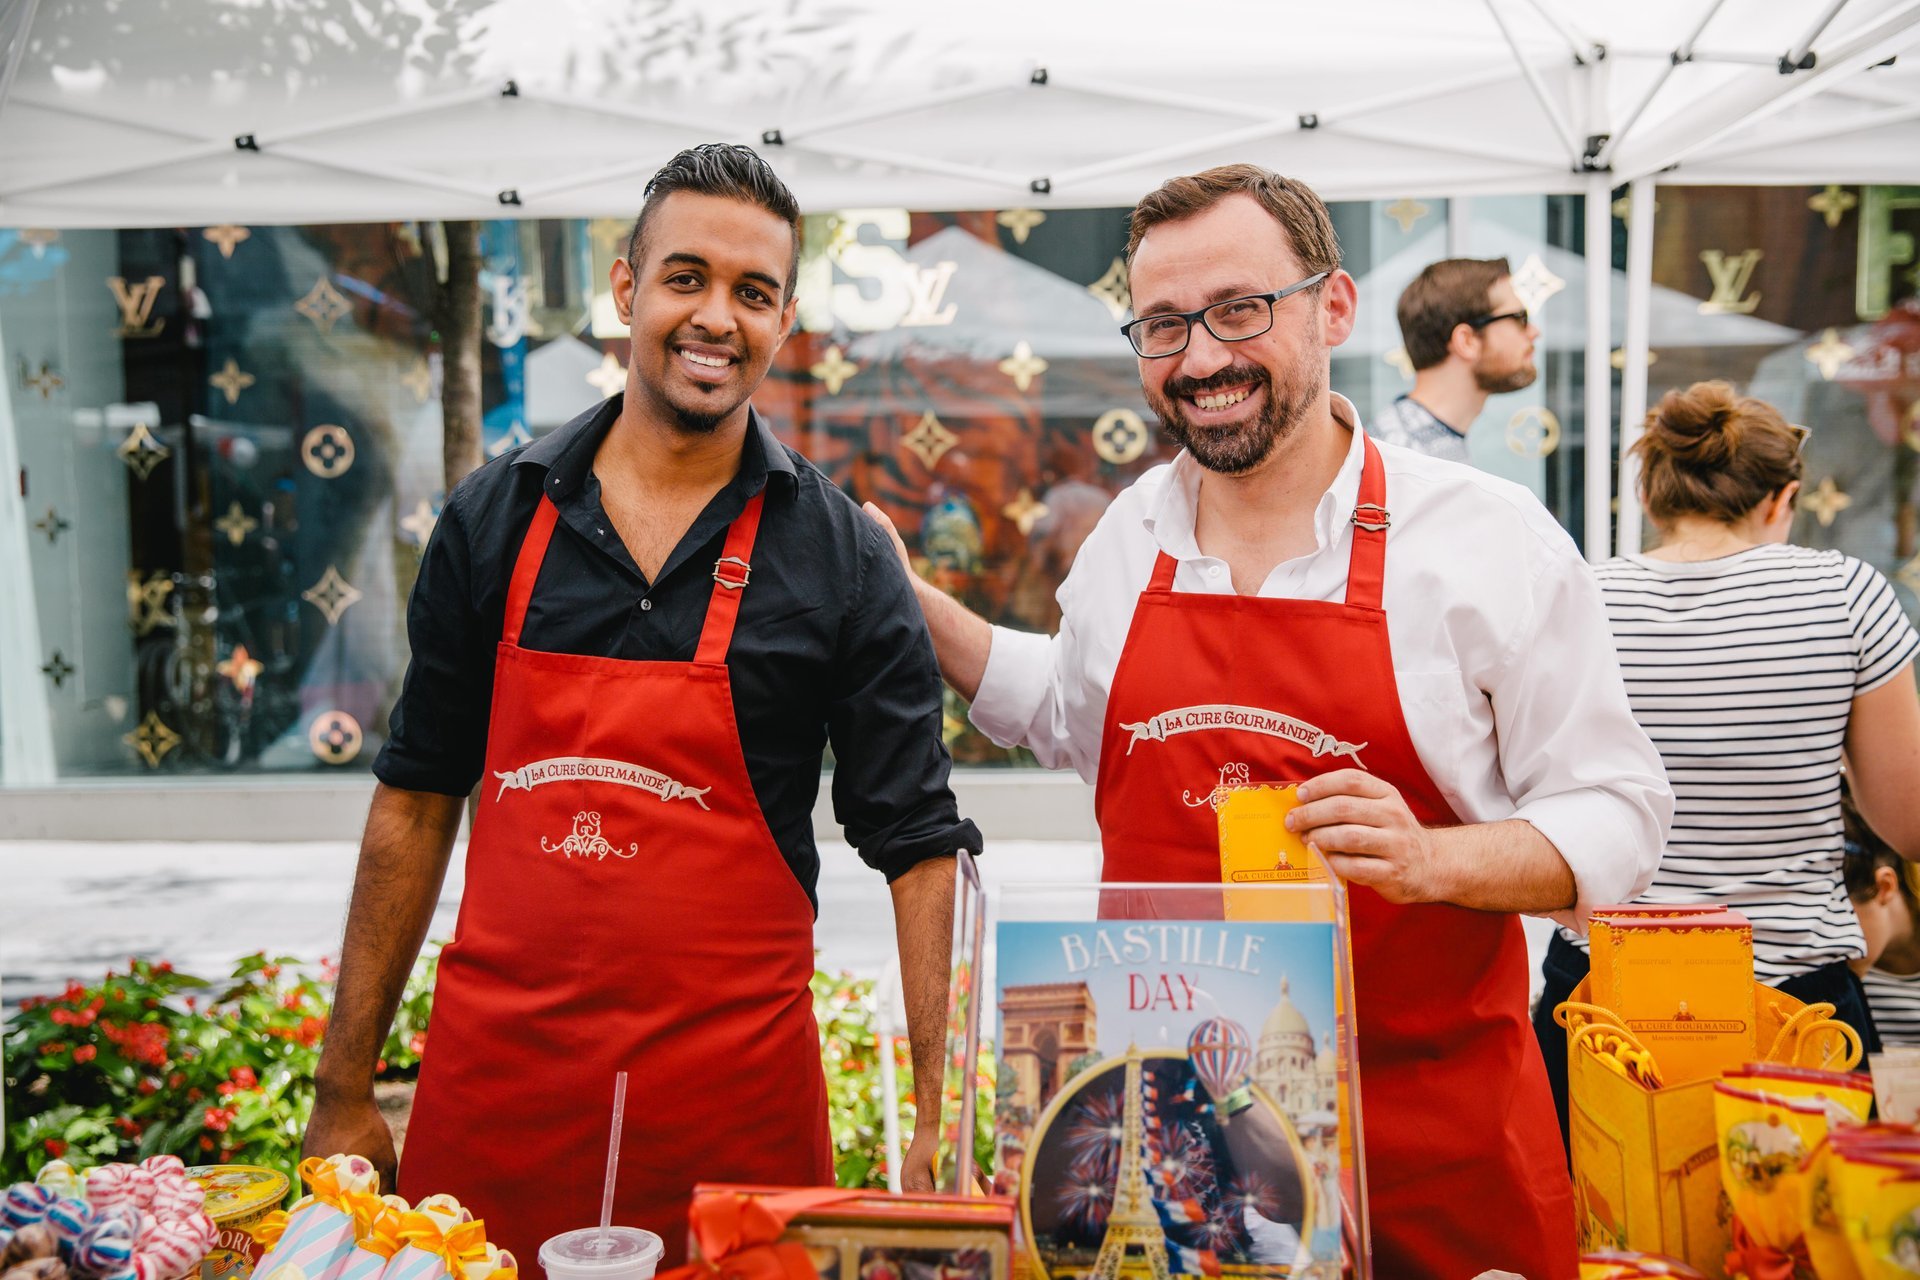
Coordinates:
<point>1135,1245</point>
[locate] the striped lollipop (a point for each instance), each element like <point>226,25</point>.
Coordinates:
<point>175,1198</point>
<point>69,1219</point>
<point>140,1186</point>
<point>104,1248</point>
<point>176,1247</point>
<point>26,1204</point>
<point>58,1176</point>
<point>110,1186</point>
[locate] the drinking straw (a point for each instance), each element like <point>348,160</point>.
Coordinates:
<point>613,1161</point>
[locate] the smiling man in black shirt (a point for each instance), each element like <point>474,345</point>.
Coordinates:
<point>639,634</point>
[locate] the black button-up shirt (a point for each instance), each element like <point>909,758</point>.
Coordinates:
<point>830,643</point>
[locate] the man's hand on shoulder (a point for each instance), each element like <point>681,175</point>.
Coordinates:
<point>352,1125</point>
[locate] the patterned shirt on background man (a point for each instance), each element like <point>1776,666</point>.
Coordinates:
<point>1411,425</point>
<point>1743,671</point>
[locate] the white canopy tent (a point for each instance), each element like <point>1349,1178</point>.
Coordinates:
<point>124,113</point>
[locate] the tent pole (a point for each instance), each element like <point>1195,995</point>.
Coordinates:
<point>1582,47</point>
<point>1459,226</point>
<point>1539,86</point>
<point>17,51</point>
<point>1804,45</point>
<point>1599,378</point>
<point>1268,126</point>
<point>1684,53</point>
<point>1633,377</point>
<point>1720,113</point>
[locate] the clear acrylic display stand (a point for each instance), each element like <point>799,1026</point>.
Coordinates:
<point>1178,1080</point>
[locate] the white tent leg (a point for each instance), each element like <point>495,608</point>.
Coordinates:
<point>1459,226</point>
<point>1599,451</point>
<point>26,720</point>
<point>1633,378</point>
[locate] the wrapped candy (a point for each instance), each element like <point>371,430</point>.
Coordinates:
<point>69,1220</point>
<point>1764,1142</point>
<point>26,1203</point>
<point>106,1247</point>
<point>320,1234</point>
<point>58,1177</point>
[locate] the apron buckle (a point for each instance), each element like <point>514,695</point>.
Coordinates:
<point>1375,523</point>
<point>731,579</point>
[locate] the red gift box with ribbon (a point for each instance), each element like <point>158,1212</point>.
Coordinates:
<point>828,1233</point>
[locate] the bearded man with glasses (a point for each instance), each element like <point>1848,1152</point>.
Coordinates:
<point>1468,337</point>
<point>1418,645</point>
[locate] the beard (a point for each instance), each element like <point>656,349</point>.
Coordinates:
<point>699,413</point>
<point>1236,448</point>
<point>1496,384</point>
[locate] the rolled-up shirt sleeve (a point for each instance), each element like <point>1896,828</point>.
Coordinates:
<point>437,731</point>
<point>891,769</point>
<point>1577,764</point>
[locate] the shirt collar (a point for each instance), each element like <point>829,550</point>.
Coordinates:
<point>566,453</point>
<point>1170,517</point>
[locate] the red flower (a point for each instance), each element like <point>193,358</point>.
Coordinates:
<point>417,1045</point>
<point>243,1077</point>
<point>311,1029</point>
<point>56,1148</point>
<point>147,1088</point>
<point>269,971</point>
<point>74,992</point>
<point>60,1018</point>
<point>193,1003</point>
<point>119,993</point>
<point>292,1000</point>
<point>130,1127</point>
<point>165,966</point>
<point>152,1002</point>
<point>175,1080</point>
<point>194,1095</point>
<point>380,1067</point>
<point>206,1143</point>
<point>53,1047</point>
<point>85,1053</point>
<point>226,1088</point>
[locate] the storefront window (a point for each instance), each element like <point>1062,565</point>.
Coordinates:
<point>231,448</point>
<point>1805,297</point>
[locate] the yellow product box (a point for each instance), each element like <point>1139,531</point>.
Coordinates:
<point>1684,986</point>
<point>1257,849</point>
<point>1601,925</point>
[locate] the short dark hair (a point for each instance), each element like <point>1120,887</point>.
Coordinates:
<point>1300,213</point>
<point>1448,294</point>
<point>721,169</point>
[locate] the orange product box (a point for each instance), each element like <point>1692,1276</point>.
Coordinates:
<point>1600,936</point>
<point>1684,985</point>
<point>876,1235</point>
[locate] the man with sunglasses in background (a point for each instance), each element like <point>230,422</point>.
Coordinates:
<point>1419,645</point>
<point>1468,337</point>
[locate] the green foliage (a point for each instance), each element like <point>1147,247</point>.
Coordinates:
<point>151,1061</point>
<point>849,1021</point>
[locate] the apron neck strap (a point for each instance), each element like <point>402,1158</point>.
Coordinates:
<point>533,550</point>
<point>1367,565</point>
<point>730,574</point>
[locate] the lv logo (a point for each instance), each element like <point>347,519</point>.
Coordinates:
<point>1730,276</point>
<point>927,290</point>
<point>136,306</point>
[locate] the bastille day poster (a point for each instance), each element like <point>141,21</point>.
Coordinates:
<point>1169,1097</point>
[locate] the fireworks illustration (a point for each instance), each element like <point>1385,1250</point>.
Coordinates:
<point>1251,1191</point>
<point>1085,1200</point>
<point>1183,1167</point>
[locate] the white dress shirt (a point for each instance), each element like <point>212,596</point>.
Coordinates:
<point>1504,660</point>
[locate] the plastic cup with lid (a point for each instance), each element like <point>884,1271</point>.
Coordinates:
<point>628,1253</point>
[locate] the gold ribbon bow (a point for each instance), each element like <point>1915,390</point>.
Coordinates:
<point>267,1232</point>
<point>457,1245</point>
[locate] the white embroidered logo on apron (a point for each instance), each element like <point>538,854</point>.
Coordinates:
<point>1246,719</point>
<point>586,841</point>
<point>588,769</point>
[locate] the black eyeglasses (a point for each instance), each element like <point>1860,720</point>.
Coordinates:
<point>1235,320</point>
<point>1481,322</point>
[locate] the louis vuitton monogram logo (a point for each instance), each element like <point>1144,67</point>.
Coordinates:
<point>136,306</point>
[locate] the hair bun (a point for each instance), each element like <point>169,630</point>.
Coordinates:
<point>1698,428</point>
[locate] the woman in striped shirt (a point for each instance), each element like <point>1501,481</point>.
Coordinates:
<point>1755,666</point>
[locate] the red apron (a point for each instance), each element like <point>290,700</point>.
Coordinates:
<point>1465,1169</point>
<point>625,909</point>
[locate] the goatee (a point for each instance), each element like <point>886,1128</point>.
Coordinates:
<point>1501,383</point>
<point>1234,449</point>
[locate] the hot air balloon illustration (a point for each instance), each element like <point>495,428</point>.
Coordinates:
<point>1221,1052</point>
